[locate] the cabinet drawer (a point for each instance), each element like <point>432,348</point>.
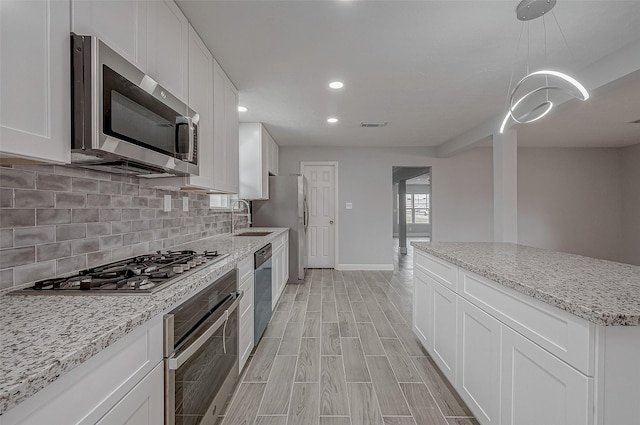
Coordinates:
<point>566,336</point>
<point>440,270</point>
<point>245,268</point>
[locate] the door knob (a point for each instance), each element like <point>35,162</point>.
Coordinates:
<point>330,221</point>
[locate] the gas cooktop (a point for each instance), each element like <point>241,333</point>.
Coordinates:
<point>143,274</point>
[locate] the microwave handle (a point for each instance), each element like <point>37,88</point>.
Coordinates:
<point>185,138</point>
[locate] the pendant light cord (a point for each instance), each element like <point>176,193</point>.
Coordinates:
<point>563,37</point>
<point>513,68</point>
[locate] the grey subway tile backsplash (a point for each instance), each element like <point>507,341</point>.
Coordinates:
<point>33,199</point>
<point>97,258</point>
<point>98,229</point>
<point>13,257</point>
<point>111,188</point>
<point>87,215</point>
<point>6,198</point>
<point>53,182</point>
<point>71,200</point>
<point>108,242</point>
<point>84,246</point>
<point>6,238</point>
<point>33,272</point>
<point>17,217</point>
<point>67,232</point>
<point>6,279</point>
<point>94,200</point>
<point>28,236</point>
<point>110,214</point>
<point>53,251</point>
<point>21,179</point>
<point>56,220</point>
<point>53,216</point>
<point>84,185</point>
<point>69,264</point>
<point>120,227</point>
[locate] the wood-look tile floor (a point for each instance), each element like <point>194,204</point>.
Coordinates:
<point>340,351</point>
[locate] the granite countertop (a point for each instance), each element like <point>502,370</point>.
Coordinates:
<point>603,292</point>
<point>45,336</point>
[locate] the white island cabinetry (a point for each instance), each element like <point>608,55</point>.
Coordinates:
<point>517,360</point>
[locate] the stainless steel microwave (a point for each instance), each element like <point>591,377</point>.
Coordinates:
<point>123,120</point>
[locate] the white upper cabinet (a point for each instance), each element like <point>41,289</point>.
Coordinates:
<point>34,80</point>
<point>122,25</point>
<point>273,150</point>
<point>201,101</point>
<point>255,157</point>
<point>225,132</point>
<point>168,47</point>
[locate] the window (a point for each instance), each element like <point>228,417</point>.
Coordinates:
<point>221,201</point>
<point>417,208</point>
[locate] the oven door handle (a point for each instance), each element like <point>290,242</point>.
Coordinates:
<point>176,361</point>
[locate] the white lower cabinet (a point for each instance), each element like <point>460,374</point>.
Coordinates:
<point>246,284</point>
<point>443,334</point>
<point>422,293</point>
<point>280,267</point>
<point>479,362</point>
<point>125,382</point>
<point>277,284</point>
<point>538,388</point>
<point>143,405</point>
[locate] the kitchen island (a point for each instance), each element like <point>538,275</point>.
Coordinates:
<point>46,338</point>
<point>531,336</point>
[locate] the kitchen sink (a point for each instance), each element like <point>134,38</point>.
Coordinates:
<point>253,234</point>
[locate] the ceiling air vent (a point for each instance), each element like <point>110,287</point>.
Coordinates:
<point>373,124</point>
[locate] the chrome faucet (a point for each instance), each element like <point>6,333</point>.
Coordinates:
<point>233,214</point>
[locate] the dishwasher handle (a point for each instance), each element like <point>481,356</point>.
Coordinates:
<point>262,255</point>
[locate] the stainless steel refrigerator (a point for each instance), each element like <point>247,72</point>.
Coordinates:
<point>287,207</point>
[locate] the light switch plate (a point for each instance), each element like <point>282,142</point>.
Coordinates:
<point>167,203</point>
<point>185,203</point>
<point>349,206</point>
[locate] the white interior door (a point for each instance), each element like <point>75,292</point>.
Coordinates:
<point>321,198</point>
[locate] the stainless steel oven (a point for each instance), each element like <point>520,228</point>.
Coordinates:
<point>201,353</point>
<point>123,120</point>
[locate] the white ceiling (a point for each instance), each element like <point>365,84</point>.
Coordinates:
<point>432,69</point>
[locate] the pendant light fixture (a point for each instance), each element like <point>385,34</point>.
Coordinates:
<point>531,97</point>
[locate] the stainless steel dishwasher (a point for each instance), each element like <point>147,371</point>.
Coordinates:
<point>262,292</point>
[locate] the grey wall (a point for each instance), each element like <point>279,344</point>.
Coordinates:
<point>56,220</point>
<point>569,200</point>
<point>630,207</point>
<point>462,197</point>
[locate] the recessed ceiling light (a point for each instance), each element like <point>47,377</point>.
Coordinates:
<point>242,109</point>
<point>336,84</point>
<point>332,120</point>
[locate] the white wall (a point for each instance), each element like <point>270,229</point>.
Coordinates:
<point>569,200</point>
<point>630,205</point>
<point>462,197</point>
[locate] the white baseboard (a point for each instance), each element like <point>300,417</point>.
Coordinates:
<point>380,267</point>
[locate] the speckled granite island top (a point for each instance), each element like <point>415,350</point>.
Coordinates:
<point>603,292</point>
<point>45,336</point>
